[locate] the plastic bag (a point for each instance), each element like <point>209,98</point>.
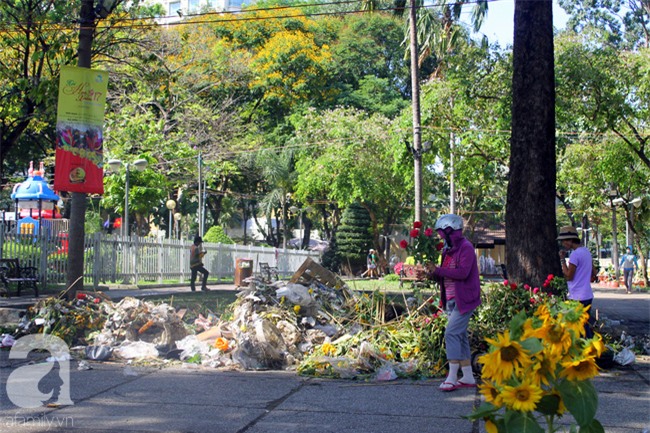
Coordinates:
<point>98,353</point>
<point>625,357</point>
<point>385,373</point>
<point>296,294</point>
<point>192,346</point>
<point>137,349</point>
<point>7,340</point>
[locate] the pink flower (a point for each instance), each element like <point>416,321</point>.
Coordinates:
<point>533,301</point>
<point>506,283</point>
<point>81,296</point>
<point>417,225</point>
<point>550,277</point>
<point>403,244</point>
<point>415,233</point>
<point>526,286</point>
<point>536,290</point>
<point>545,285</point>
<point>96,300</point>
<point>428,232</point>
<point>513,286</point>
<point>427,320</point>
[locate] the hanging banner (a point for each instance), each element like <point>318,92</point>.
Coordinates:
<point>79,125</point>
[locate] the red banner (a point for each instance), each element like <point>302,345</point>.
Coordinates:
<point>79,135</point>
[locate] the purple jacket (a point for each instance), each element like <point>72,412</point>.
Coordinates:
<point>466,275</point>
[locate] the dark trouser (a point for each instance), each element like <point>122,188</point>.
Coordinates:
<point>205,273</point>
<point>589,333</point>
<point>628,274</point>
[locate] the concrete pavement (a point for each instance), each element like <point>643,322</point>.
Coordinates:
<point>117,398</point>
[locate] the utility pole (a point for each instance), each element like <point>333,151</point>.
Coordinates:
<point>200,196</point>
<point>74,277</point>
<point>415,98</point>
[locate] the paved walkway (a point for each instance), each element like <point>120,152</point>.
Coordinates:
<point>117,398</point>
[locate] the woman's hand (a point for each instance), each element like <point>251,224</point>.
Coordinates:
<point>562,254</point>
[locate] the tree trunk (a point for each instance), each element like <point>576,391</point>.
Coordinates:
<point>530,209</point>
<point>74,277</point>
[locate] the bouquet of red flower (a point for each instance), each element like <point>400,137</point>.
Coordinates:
<point>424,245</point>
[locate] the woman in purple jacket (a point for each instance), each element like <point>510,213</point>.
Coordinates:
<point>460,294</point>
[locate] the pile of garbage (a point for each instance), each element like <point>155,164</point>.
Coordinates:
<point>313,323</point>
<point>70,320</point>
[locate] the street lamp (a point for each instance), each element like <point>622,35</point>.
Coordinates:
<point>295,209</point>
<point>171,205</point>
<point>115,164</point>
<point>177,218</point>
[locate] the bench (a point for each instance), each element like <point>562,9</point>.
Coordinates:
<point>415,274</point>
<point>268,273</point>
<point>12,272</point>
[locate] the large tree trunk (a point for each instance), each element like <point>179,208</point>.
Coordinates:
<point>530,209</point>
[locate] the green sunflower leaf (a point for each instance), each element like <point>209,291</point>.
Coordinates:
<point>581,399</point>
<point>532,345</point>
<point>548,405</point>
<point>594,427</point>
<point>521,422</point>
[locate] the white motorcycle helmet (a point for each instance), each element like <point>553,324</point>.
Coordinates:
<point>449,220</point>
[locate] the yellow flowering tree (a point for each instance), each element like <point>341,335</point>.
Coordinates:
<point>539,369</point>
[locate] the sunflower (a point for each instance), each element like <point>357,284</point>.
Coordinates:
<point>505,358</point>
<point>523,397</point>
<point>582,368</point>
<point>594,347</point>
<point>531,330</point>
<point>557,339</point>
<point>543,369</point>
<point>543,313</point>
<point>491,393</point>
<point>575,318</point>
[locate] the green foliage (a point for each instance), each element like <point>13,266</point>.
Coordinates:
<point>501,302</point>
<point>331,259</point>
<point>391,277</point>
<point>353,235</point>
<point>217,235</point>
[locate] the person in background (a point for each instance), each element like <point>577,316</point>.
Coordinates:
<point>371,262</point>
<point>460,294</point>
<point>630,264</point>
<point>578,272</point>
<point>196,264</point>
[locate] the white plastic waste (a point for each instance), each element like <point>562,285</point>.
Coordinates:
<point>625,357</point>
<point>296,294</point>
<point>136,349</point>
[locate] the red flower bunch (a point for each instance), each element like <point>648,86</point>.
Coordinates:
<point>423,246</point>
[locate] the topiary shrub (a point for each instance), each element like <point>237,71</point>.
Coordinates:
<point>353,237</point>
<point>216,235</point>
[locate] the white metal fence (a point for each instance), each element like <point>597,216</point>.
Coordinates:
<point>112,259</point>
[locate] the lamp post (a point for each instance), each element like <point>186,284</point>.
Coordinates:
<point>140,165</point>
<point>295,209</point>
<point>177,218</point>
<point>171,205</point>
